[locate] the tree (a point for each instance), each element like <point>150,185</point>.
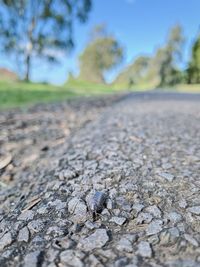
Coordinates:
<point>101,54</point>
<point>175,43</point>
<point>161,69</point>
<point>194,65</point>
<point>39,28</point>
<point>164,67</point>
<point>171,57</point>
<point>135,73</point>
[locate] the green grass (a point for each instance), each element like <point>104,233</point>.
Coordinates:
<point>188,88</point>
<point>135,87</point>
<point>20,94</point>
<point>89,89</point>
<point>15,94</point>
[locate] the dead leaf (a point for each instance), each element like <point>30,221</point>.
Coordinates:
<point>2,184</point>
<point>135,139</point>
<point>32,203</point>
<point>4,161</point>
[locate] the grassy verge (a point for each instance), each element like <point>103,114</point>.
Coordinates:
<point>19,94</point>
<point>89,89</point>
<point>15,94</point>
<point>188,88</point>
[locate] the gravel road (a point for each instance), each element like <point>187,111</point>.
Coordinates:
<point>139,152</point>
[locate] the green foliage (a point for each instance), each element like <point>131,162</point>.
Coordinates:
<point>134,73</point>
<point>160,70</point>
<point>170,56</point>
<point>101,54</point>
<point>164,67</point>
<point>39,28</point>
<point>194,65</point>
<point>175,43</point>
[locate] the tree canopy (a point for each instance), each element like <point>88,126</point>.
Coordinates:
<point>170,56</point>
<point>194,64</point>
<point>159,70</point>
<point>101,54</point>
<point>135,72</point>
<point>39,28</point>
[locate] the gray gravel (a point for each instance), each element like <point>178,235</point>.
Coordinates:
<point>143,150</point>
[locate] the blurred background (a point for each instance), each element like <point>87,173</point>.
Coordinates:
<point>58,49</point>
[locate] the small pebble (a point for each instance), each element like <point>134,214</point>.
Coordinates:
<point>124,244</point>
<point>191,240</point>
<point>26,215</point>
<point>169,177</point>
<point>182,204</point>
<point>78,208</point>
<point>23,235</point>
<point>5,240</point>
<point>96,240</point>
<point>144,249</point>
<point>195,210</point>
<point>154,227</point>
<point>118,220</point>
<point>144,217</point>
<point>31,259</point>
<point>154,210</point>
<point>174,217</point>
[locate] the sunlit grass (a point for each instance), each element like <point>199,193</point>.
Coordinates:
<point>20,94</point>
<point>87,88</point>
<point>136,87</point>
<point>188,88</point>
<point>15,94</point>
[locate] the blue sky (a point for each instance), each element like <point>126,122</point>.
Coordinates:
<point>140,25</point>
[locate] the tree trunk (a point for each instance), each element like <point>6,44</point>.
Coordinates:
<point>28,67</point>
<point>29,50</point>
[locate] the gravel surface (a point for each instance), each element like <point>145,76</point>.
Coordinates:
<point>101,183</point>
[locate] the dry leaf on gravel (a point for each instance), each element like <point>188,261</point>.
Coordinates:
<point>4,161</point>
